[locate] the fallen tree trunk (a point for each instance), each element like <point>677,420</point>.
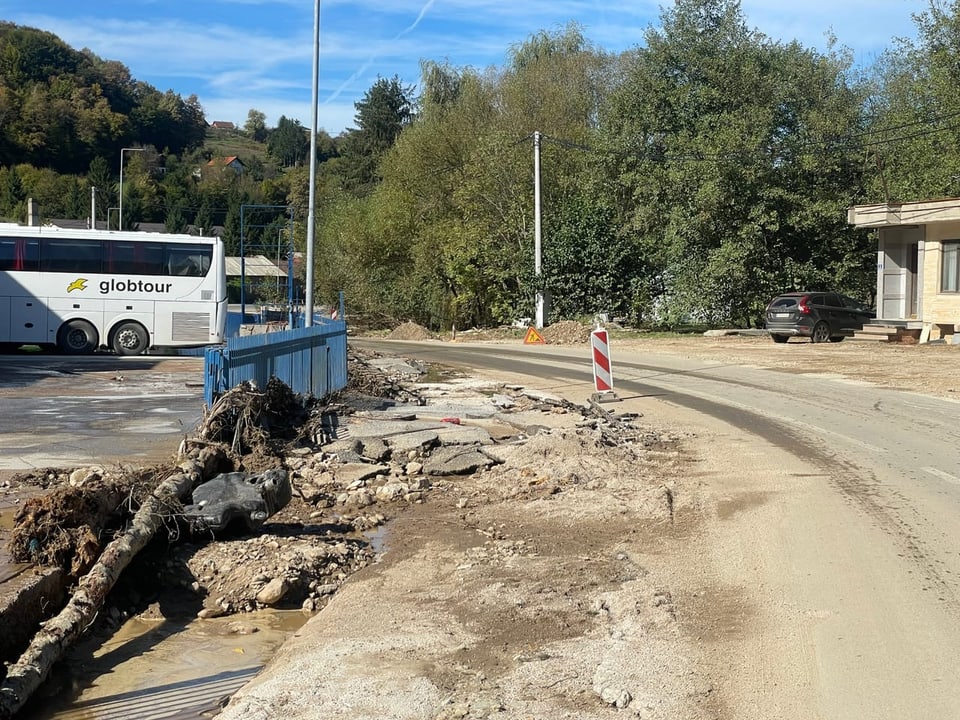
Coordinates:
<point>59,633</point>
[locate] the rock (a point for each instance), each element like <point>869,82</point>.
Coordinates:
<point>609,689</point>
<point>543,397</point>
<point>413,468</point>
<point>413,442</point>
<point>421,483</point>
<point>374,449</point>
<point>353,474</point>
<point>392,491</point>
<point>81,476</point>
<point>360,498</point>
<point>619,698</point>
<point>241,628</point>
<point>502,401</point>
<point>273,591</point>
<point>465,435</point>
<point>456,461</point>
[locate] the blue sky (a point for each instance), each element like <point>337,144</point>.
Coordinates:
<point>241,54</point>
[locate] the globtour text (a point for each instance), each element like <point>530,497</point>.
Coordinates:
<point>109,286</point>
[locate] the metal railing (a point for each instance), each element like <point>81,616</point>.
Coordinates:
<point>310,360</point>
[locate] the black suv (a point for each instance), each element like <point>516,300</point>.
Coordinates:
<point>820,316</point>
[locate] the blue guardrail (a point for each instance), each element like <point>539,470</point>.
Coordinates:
<point>310,360</point>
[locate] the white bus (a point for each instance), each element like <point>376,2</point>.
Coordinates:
<point>83,290</point>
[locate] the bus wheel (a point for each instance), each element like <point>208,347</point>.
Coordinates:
<point>77,337</point>
<point>129,339</point>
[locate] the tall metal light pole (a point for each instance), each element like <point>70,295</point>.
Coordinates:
<point>122,151</point>
<point>311,213</point>
<point>537,243</point>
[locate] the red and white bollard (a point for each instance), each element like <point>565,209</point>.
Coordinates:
<point>602,369</point>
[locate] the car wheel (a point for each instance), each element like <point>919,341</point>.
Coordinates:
<point>821,332</point>
<point>77,337</point>
<point>129,339</point>
<point>779,338</point>
<point>836,338</point>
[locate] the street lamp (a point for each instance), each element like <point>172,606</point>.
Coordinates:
<point>122,151</point>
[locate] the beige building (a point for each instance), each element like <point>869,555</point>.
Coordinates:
<point>918,264</point>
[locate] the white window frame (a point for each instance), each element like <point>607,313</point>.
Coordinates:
<point>950,266</point>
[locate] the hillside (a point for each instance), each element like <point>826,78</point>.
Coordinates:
<point>60,108</point>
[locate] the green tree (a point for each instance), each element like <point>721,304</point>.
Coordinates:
<point>912,138</point>
<point>12,194</point>
<point>100,177</point>
<point>256,125</point>
<point>77,200</point>
<point>386,108</point>
<point>175,221</point>
<point>725,146</point>
<point>289,142</point>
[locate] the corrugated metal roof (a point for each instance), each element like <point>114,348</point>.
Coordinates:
<point>254,266</point>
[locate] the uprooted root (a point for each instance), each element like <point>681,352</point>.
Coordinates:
<point>251,421</point>
<point>68,527</point>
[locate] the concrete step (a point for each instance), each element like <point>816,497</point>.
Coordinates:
<point>886,333</point>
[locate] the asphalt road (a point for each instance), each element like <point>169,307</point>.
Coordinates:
<point>844,541</point>
<point>60,411</point>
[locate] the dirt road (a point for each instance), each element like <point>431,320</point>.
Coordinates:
<point>710,572</point>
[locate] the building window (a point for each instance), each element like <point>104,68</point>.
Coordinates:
<point>950,267</point>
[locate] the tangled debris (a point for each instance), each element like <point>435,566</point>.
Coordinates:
<point>68,527</point>
<point>255,424</point>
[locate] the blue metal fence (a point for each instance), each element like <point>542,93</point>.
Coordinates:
<point>310,360</point>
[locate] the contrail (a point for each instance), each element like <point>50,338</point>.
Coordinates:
<point>423,11</point>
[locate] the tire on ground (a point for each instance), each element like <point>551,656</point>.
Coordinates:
<point>77,337</point>
<point>129,338</point>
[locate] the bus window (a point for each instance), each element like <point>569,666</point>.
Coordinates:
<point>134,258</point>
<point>19,254</point>
<point>73,256</point>
<point>189,260</point>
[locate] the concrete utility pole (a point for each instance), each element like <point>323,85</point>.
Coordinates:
<point>122,151</point>
<point>93,208</point>
<point>311,212</point>
<point>537,265</point>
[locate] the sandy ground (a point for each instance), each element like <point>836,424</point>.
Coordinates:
<point>584,581</point>
<point>926,368</point>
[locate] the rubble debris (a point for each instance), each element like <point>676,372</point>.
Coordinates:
<point>350,462</point>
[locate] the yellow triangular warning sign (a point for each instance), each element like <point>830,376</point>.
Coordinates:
<point>533,337</point>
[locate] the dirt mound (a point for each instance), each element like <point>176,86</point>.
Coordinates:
<point>410,331</point>
<point>566,332</point>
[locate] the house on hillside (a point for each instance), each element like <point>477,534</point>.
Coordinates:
<point>232,163</point>
<point>918,265</point>
<point>223,125</point>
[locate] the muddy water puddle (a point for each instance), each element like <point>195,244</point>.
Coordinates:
<point>8,568</point>
<point>162,669</point>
